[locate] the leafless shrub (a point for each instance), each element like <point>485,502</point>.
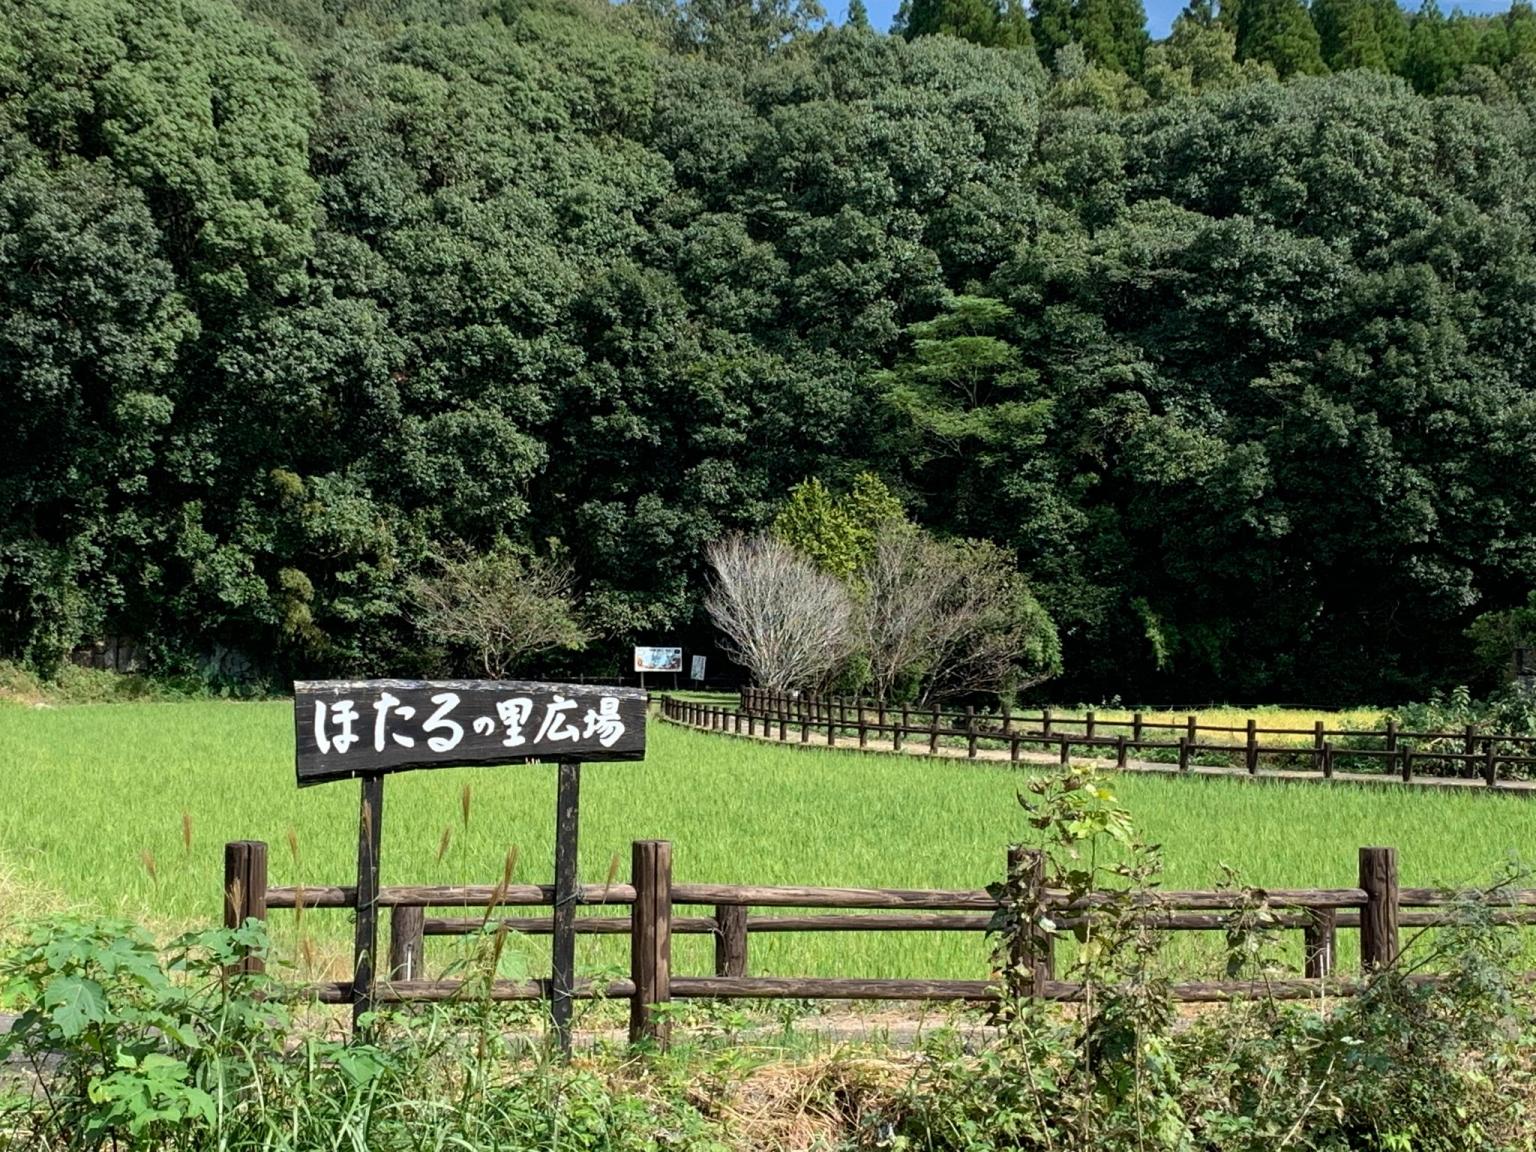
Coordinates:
<point>500,608</point>
<point>781,618</point>
<point>939,619</point>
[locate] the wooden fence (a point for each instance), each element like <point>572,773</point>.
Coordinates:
<point>1377,909</point>
<point>1470,754</point>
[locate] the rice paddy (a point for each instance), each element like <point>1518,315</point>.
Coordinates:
<point>123,809</point>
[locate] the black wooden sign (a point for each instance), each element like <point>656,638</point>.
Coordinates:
<point>349,728</point>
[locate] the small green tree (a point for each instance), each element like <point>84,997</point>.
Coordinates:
<point>837,533</point>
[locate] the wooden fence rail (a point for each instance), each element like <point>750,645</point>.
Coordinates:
<point>1378,908</point>
<point>1488,757</point>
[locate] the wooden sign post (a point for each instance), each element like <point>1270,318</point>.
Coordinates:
<point>364,730</point>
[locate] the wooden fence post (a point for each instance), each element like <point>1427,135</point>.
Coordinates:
<point>1120,750</point>
<point>1378,919</point>
<point>901,729</point>
<point>245,892</point>
<point>1192,731</point>
<point>1045,721</point>
<point>1319,942</point>
<point>863,729</point>
<point>1007,717</point>
<point>1034,948</point>
<point>650,939</point>
<point>407,944</point>
<point>970,730</point>
<point>1391,739</point>
<point>1327,759</point>
<point>1066,749</point>
<point>1407,763</point>
<point>1136,727</point>
<point>1183,754</point>
<point>730,940</point>
<point>1318,740</point>
<point>1490,772</point>
<point>1013,748</point>
<point>1088,723</point>
<point>1253,746</point>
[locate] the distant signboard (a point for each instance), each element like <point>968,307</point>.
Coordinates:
<point>346,728</point>
<point>698,668</point>
<point>658,659</point>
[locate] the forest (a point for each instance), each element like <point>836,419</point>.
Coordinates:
<point>1225,339</point>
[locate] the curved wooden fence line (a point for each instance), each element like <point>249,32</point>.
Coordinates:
<point>1378,908</point>
<point>843,722</point>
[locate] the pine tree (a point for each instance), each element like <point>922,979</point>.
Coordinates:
<point>1129,19</point>
<point>1392,32</point>
<point>1013,26</point>
<point>1427,64</point>
<point>992,23</point>
<point>1280,33</point>
<point>1052,26</point>
<point>1519,31</point>
<point>1347,32</point>
<point>858,16</point>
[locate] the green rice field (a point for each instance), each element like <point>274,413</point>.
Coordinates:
<point>100,799</point>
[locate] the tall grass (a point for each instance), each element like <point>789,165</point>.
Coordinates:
<point>124,809</point>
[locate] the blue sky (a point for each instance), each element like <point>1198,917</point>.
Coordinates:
<point>1160,13</point>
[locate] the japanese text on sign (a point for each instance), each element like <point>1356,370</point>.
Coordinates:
<point>352,728</point>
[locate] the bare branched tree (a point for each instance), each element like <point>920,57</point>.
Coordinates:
<point>781,618</point>
<point>500,608</point>
<point>939,619</point>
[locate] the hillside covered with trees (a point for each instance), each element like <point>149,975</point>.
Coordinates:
<point>1232,355</point>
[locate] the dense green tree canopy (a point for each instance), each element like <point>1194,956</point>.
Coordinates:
<point>299,295</point>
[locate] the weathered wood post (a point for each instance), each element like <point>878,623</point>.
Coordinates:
<point>1490,772</point>
<point>730,940</point>
<point>1088,725</point>
<point>1183,754</point>
<point>1327,759</point>
<point>245,892</point>
<point>1066,749</point>
<point>1253,746</point>
<point>1136,727</point>
<point>407,943</point>
<point>933,733</point>
<point>1378,919</point>
<point>365,935</point>
<point>901,729</point>
<point>1318,740</point>
<point>1033,948</point>
<point>1319,942</point>
<point>1045,721</point>
<point>650,939</point>
<point>1192,731</point>
<point>567,894</point>
<point>1120,750</point>
<point>1407,763</point>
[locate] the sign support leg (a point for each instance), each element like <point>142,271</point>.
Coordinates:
<point>567,894</point>
<point>365,941</point>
